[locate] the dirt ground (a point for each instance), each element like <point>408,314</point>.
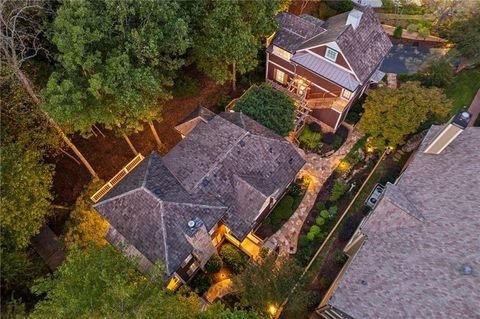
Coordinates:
<point>311,7</point>
<point>109,154</point>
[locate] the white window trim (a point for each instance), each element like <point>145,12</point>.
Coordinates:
<point>193,267</point>
<point>331,50</point>
<point>345,98</point>
<point>185,262</point>
<point>283,76</point>
<point>277,50</point>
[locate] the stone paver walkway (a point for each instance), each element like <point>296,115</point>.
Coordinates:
<point>474,108</point>
<point>318,169</point>
<point>219,290</point>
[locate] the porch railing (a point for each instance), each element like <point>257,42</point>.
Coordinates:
<point>117,178</point>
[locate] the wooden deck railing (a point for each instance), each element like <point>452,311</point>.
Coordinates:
<point>117,178</point>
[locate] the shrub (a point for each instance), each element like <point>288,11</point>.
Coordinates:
<point>315,127</point>
<point>365,210</point>
<point>233,258</point>
<point>319,221</point>
<point>283,210</point>
<point>200,283</point>
<point>339,188</point>
<point>397,33</point>
<point>352,117</point>
<point>310,236</point>
<point>325,214</point>
<point>328,138</point>
<point>332,211</point>
<point>337,142</point>
<point>185,87</point>
<point>314,230</point>
<point>348,228</point>
<point>277,111</point>
<point>423,31</point>
<point>321,236</point>
<point>313,299</point>
<point>340,257</point>
<point>341,6</point>
<point>320,206</point>
<point>303,241</point>
<point>214,264</point>
<point>439,73</point>
<point>342,131</point>
<point>412,27</point>
<point>310,139</point>
<point>295,190</point>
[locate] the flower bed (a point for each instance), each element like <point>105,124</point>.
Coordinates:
<point>284,209</point>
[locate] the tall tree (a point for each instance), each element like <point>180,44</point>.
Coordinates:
<point>230,34</point>
<point>21,40</point>
<point>102,283</point>
<point>25,193</point>
<point>465,33</point>
<point>391,114</point>
<point>117,61</point>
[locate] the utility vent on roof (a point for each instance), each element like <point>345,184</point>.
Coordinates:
<point>354,18</point>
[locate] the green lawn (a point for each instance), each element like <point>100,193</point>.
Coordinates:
<point>463,88</point>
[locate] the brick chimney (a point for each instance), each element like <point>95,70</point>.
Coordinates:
<point>448,133</point>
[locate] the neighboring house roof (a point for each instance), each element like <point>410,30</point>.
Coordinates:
<point>421,256</point>
<point>326,69</point>
<point>226,168</point>
<point>364,47</point>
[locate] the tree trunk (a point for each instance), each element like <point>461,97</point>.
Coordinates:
<point>234,78</point>
<point>127,139</point>
<point>26,83</point>
<point>155,134</point>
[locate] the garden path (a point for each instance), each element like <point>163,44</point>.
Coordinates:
<point>219,290</point>
<point>318,169</point>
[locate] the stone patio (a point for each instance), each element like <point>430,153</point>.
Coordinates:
<point>219,290</point>
<point>318,169</point>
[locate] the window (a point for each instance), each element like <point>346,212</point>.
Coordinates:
<point>331,54</point>
<point>282,53</point>
<point>280,76</point>
<point>346,94</point>
<point>192,268</point>
<point>185,262</point>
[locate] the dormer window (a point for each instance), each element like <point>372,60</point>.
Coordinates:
<point>331,54</point>
<point>282,53</point>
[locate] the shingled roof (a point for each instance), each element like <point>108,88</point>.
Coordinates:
<point>364,47</point>
<point>226,168</point>
<point>421,256</point>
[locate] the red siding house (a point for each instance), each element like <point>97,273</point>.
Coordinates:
<point>326,65</point>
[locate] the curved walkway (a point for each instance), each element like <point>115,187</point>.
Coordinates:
<point>219,290</point>
<point>318,169</point>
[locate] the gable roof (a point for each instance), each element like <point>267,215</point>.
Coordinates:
<point>226,168</point>
<point>363,47</point>
<point>198,115</point>
<point>421,256</point>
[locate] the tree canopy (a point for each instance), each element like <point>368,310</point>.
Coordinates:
<point>270,108</point>
<point>85,225</point>
<point>391,114</point>
<point>229,35</point>
<point>25,193</point>
<point>466,36</point>
<point>269,282</point>
<point>103,283</point>
<point>116,62</point>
